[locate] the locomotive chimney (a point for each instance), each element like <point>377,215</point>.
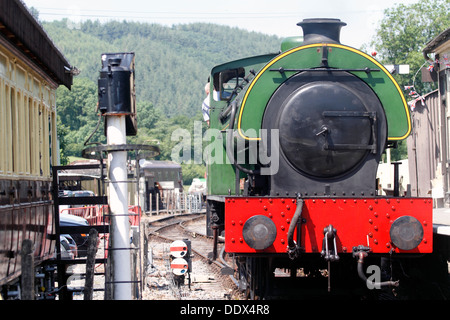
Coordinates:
<point>321,30</point>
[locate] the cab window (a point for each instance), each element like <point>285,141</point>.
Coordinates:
<point>226,81</point>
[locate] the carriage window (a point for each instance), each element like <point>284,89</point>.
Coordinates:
<point>228,81</point>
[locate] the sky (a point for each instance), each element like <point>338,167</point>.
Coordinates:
<point>272,17</point>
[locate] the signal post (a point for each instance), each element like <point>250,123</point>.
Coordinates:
<point>117,104</point>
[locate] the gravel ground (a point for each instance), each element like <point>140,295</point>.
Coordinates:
<point>205,284</point>
<point>205,279</point>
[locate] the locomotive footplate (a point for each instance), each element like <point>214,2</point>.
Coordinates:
<point>386,225</point>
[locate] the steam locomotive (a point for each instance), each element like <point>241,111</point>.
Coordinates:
<point>292,172</point>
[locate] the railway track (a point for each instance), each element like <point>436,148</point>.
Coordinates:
<point>209,279</point>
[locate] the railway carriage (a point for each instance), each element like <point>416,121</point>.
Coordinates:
<point>292,178</point>
<point>31,69</point>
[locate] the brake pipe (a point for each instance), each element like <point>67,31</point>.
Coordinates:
<point>361,254</point>
<point>293,248</point>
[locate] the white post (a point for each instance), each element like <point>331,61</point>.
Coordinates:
<point>118,203</point>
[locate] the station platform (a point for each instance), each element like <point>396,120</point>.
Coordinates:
<point>441,221</point>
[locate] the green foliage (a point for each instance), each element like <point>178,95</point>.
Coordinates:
<point>404,32</point>
<point>62,132</point>
<point>77,116</point>
<point>172,67</point>
<point>402,35</point>
<point>401,152</point>
<point>191,171</point>
<point>172,63</point>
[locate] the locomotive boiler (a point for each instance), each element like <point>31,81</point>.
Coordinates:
<point>292,178</point>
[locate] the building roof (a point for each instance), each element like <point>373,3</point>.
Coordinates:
<point>20,29</point>
<point>158,164</point>
<point>436,42</point>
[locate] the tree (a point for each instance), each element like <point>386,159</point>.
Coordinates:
<point>191,171</point>
<point>405,30</point>
<point>172,67</point>
<point>62,131</point>
<point>35,13</point>
<point>172,63</point>
<point>400,38</point>
<point>77,111</point>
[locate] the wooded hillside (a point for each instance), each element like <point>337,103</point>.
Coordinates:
<point>172,63</point>
<point>172,68</point>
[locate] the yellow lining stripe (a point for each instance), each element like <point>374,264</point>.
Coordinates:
<point>321,45</point>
